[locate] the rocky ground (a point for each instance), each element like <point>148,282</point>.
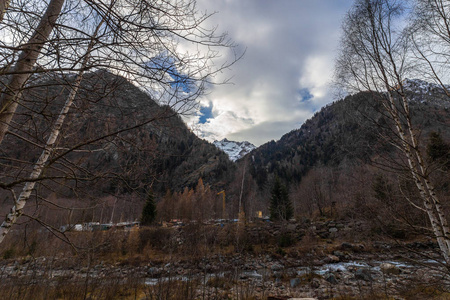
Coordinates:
<point>344,273</point>
<point>328,269</point>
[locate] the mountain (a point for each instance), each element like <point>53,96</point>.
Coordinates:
<point>348,131</point>
<point>116,140</point>
<point>235,150</point>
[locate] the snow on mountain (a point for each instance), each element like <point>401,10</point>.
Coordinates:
<point>426,92</point>
<point>235,150</point>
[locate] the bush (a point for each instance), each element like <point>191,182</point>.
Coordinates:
<point>286,240</point>
<point>157,238</point>
<point>9,253</point>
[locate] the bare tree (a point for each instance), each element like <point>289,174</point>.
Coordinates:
<point>142,41</point>
<point>429,34</point>
<point>374,57</point>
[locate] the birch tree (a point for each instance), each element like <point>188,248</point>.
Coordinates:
<point>374,57</point>
<point>30,51</point>
<point>16,210</point>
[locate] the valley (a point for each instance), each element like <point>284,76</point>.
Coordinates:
<point>235,150</point>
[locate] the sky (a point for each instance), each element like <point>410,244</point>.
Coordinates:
<point>285,74</point>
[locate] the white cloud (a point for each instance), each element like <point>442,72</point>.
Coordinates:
<point>290,46</point>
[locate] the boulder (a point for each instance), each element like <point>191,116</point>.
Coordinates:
<point>330,259</point>
<point>295,282</point>
<point>291,227</point>
<point>331,278</point>
<point>315,283</point>
<point>347,246</point>
<point>363,274</point>
<point>277,267</point>
<point>390,269</point>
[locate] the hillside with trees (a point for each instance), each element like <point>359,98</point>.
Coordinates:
<point>117,142</point>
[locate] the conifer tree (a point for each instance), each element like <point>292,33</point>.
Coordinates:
<point>438,150</point>
<point>149,210</point>
<point>280,205</point>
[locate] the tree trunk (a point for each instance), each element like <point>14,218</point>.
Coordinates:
<point>3,7</point>
<point>431,204</point>
<point>16,210</point>
<point>429,187</point>
<point>27,59</point>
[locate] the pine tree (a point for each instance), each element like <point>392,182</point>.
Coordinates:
<point>382,190</point>
<point>280,205</point>
<point>149,210</point>
<point>438,150</point>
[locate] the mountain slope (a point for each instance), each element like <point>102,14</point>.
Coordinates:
<point>349,130</point>
<point>116,140</point>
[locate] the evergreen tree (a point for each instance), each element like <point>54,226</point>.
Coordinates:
<point>438,150</point>
<point>280,205</point>
<point>149,210</point>
<point>382,190</point>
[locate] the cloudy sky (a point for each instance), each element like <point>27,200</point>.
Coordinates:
<point>285,74</point>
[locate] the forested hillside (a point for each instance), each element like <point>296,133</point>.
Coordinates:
<point>353,130</point>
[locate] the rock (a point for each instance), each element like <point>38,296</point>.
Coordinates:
<point>330,259</point>
<point>315,283</point>
<point>338,253</point>
<point>333,229</point>
<point>363,274</point>
<point>389,269</point>
<point>277,267</point>
<point>291,227</point>
<point>347,246</point>
<point>277,274</point>
<point>323,234</point>
<point>295,282</point>
<point>331,278</point>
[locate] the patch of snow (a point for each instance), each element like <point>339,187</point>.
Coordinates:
<point>235,150</point>
<point>426,92</point>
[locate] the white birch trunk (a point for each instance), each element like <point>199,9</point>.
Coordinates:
<point>25,64</point>
<point>426,181</point>
<point>16,210</point>
<point>436,224</point>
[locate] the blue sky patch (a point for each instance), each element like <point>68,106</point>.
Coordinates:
<point>305,94</point>
<point>167,64</point>
<point>205,113</point>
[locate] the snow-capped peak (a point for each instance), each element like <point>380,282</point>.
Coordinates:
<point>235,150</point>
